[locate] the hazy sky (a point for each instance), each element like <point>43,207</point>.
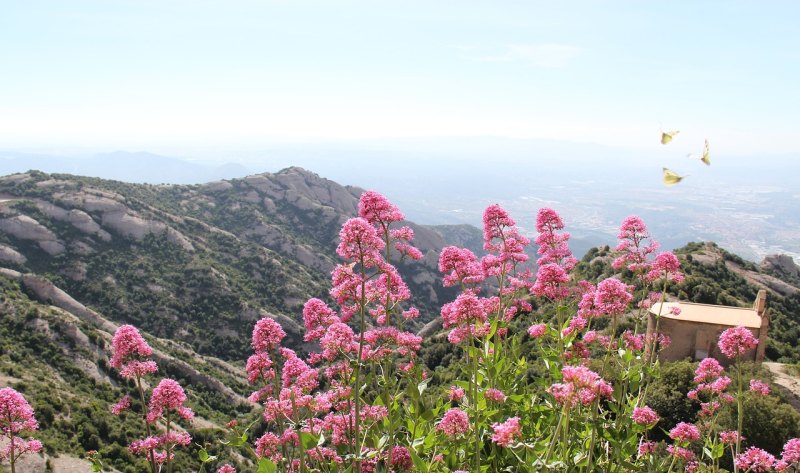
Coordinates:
<point>151,73</point>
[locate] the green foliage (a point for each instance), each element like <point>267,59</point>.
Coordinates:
<point>667,396</point>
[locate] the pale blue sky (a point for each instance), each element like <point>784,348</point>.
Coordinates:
<point>245,73</point>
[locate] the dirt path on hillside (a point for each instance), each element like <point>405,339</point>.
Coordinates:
<point>789,383</point>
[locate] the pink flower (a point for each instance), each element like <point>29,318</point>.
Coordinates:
<point>632,236</point>
<point>633,342</point>
<point>123,404</point>
<point>259,367</point>
<point>376,209</point>
<point>685,432</point>
<point>737,341</point>
<point>666,266</point>
<point>465,310</point>
<point>550,282</point>
<point>359,241</point>
<point>581,385</point>
<point>791,451</point>
<point>16,415</point>
<point>456,394</point>
<point>339,339</point>
<point>401,459</point>
<point>128,344</point>
<point>493,394</point>
<point>759,387</point>
<point>644,416</point>
<point>505,433</point>
<point>537,330</point>
<point>755,460</point>
<point>646,448</point>
<point>612,297</point>
<point>455,422</point>
<point>226,468</point>
<point>494,219</point>
<point>707,370</point>
<point>459,265</point>
<point>553,246</point>
<point>317,316</point>
<point>136,368</point>
<point>729,437</point>
<point>267,446</point>
<point>680,452</point>
<point>168,395</point>
<point>267,334</point>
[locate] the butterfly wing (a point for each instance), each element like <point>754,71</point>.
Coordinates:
<point>666,136</point>
<point>706,160</point>
<point>671,178</point>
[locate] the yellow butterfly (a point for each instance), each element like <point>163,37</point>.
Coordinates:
<point>671,178</point>
<point>666,136</point>
<point>705,157</point>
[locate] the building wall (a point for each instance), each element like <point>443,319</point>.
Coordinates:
<point>695,341</point>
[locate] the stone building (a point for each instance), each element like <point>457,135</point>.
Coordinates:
<point>695,331</point>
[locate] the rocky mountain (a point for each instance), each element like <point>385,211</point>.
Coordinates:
<point>195,263</point>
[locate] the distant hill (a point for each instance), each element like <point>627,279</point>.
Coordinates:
<point>196,263</point>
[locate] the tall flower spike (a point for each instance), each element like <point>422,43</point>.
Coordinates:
<point>267,335</point>
<point>737,341</point>
<point>375,208</point>
<point>553,247</point>
<point>16,416</point>
<point>632,235</point>
<point>359,241</point>
<point>168,395</point>
<point>128,344</point>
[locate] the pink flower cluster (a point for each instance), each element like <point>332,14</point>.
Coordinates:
<point>665,267</point>
<point>459,266</point>
<point>130,352</point>
<point>455,422</point>
<point>581,385</point>
<point>737,341</point>
<point>160,447</point>
<point>16,416</point>
<point>644,416</point>
<point>507,432</point>
<point>168,397</point>
<point>633,247</point>
<point>685,432</point>
<point>709,379</point>
<point>755,460</point>
<point>553,246</point>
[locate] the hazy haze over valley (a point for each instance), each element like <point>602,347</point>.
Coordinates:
<point>746,204</point>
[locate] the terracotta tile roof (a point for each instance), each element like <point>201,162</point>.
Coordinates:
<point>710,314</point>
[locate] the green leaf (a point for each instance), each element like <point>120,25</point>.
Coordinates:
<point>308,440</point>
<point>265,465</point>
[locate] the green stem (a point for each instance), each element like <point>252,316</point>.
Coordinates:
<point>357,387</point>
<point>11,436</point>
<point>555,437</point>
<point>151,458</point>
<point>477,458</point>
<point>739,410</point>
<point>169,445</point>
